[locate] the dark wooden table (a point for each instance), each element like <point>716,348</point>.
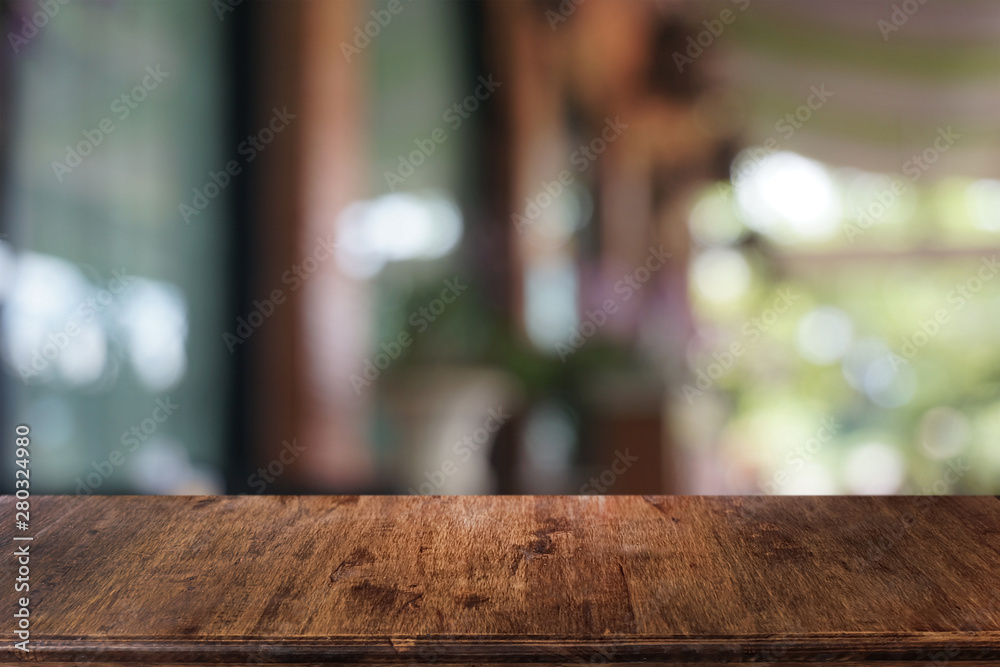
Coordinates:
<point>482,580</point>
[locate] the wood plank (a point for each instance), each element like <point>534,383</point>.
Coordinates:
<point>531,579</point>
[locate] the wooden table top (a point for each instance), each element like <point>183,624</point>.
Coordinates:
<point>516,579</point>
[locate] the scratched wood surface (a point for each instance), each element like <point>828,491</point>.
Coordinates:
<point>479,580</point>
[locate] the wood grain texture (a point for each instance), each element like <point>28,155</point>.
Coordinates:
<point>516,579</point>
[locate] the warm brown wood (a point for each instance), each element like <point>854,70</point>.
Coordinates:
<point>510,579</point>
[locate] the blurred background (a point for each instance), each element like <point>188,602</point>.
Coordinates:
<point>501,246</point>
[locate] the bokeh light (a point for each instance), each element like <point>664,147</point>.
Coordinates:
<point>788,197</point>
